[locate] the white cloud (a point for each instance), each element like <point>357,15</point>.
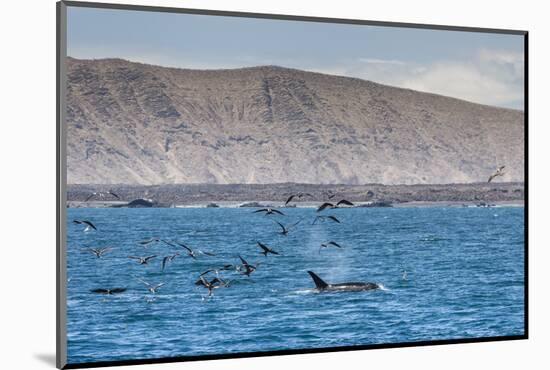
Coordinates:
<point>490,77</point>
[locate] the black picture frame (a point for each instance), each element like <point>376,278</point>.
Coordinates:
<point>61,335</point>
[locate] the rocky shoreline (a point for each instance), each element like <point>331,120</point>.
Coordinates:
<point>212,195</point>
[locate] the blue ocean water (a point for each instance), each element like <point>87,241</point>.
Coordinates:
<point>465,279</point>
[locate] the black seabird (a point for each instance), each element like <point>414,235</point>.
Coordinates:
<point>266,249</point>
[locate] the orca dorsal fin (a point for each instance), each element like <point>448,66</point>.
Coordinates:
<point>319,283</point>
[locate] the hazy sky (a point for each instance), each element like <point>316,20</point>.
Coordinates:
<point>479,67</point>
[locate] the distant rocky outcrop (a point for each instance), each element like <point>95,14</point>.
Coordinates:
<point>132,123</point>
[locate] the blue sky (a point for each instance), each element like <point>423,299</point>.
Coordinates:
<point>479,67</point>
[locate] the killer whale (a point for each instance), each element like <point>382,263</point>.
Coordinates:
<point>322,286</point>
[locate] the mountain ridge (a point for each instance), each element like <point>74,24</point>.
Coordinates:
<point>136,123</point>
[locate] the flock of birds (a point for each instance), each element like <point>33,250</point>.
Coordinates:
<point>212,278</point>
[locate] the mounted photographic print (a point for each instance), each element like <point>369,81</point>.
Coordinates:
<point>236,185</point>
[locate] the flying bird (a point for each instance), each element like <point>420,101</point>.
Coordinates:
<point>497,173</point>
<point>337,205</point>
<point>167,259</point>
<point>99,252</point>
<point>102,194</point>
<point>285,230</point>
<point>155,240</point>
<point>331,243</point>
<point>193,253</point>
<point>322,218</point>
<point>142,260</point>
<point>150,287</point>
<point>108,291</point>
<point>89,224</point>
<point>266,249</point>
<point>269,211</point>
<point>212,284</point>
<point>248,268</point>
<point>299,195</point>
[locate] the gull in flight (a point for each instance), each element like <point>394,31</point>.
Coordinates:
<point>99,252</point>
<point>285,230</point>
<point>194,253</point>
<point>269,211</point>
<point>102,194</point>
<point>323,218</point>
<point>89,224</point>
<point>331,243</point>
<point>142,260</point>
<point>337,205</point>
<point>299,195</point>
<point>108,291</point>
<point>150,287</point>
<point>497,173</point>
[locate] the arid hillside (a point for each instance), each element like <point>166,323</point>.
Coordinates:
<point>131,123</point>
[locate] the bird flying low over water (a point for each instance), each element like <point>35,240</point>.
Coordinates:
<point>193,253</point>
<point>155,240</point>
<point>212,284</point>
<point>248,268</point>
<point>331,243</point>
<point>99,252</point>
<point>167,259</point>
<point>266,249</point>
<point>497,173</point>
<point>150,287</point>
<point>108,291</point>
<point>323,218</point>
<point>285,230</point>
<point>269,211</point>
<point>337,205</point>
<point>142,260</point>
<point>299,195</point>
<point>89,224</point>
<point>102,194</point>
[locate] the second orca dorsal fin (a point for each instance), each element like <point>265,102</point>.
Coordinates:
<point>319,283</point>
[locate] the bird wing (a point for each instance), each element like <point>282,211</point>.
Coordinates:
<point>300,220</point>
<point>333,218</point>
<point>277,211</point>
<point>134,257</point>
<point>144,282</point>
<point>184,246</point>
<point>149,257</point>
<point>335,244</point>
<point>346,202</point>
<point>324,205</point>
<point>316,218</point>
<point>158,285</point>
<point>331,196</point>
<point>113,194</point>
<point>207,253</point>
<point>260,210</point>
<point>164,262</point>
<point>89,197</point>
<point>167,242</point>
<point>89,224</point>
<point>243,261</point>
<point>118,290</point>
<point>281,225</point>
<point>491,177</point>
<point>272,251</point>
<point>289,199</point>
<point>77,222</point>
<point>100,291</point>
<point>263,246</point>
<point>148,241</point>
